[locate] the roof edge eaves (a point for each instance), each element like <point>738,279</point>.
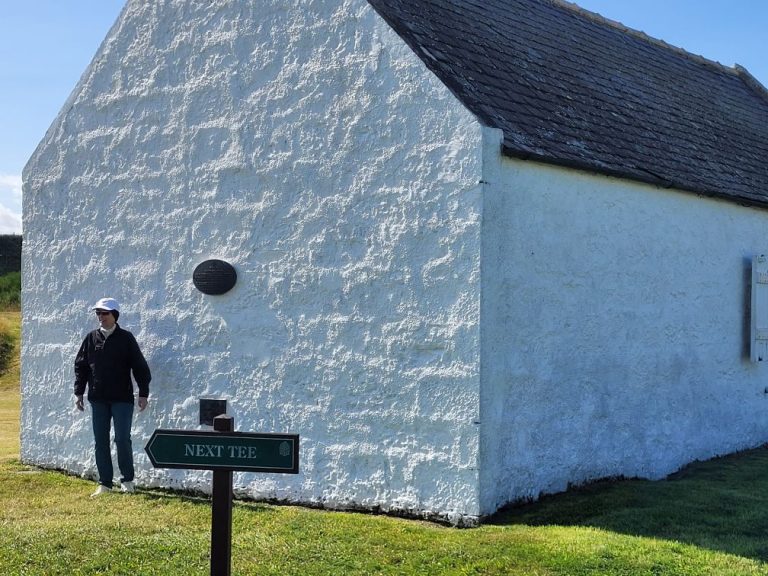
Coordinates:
<point>435,67</point>
<point>600,19</point>
<point>752,82</point>
<point>634,176</point>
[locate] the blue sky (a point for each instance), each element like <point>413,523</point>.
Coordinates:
<point>45,45</point>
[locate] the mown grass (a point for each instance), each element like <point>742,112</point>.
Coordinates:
<point>710,519</point>
<point>10,328</point>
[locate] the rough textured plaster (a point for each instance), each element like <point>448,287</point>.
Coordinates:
<point>306,145</point>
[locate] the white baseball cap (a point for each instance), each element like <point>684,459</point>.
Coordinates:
<point>107,304</point>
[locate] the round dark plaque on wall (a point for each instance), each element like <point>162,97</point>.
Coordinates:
<point>214,277</point>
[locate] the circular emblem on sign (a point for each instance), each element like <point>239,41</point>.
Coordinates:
<point>214,277</point>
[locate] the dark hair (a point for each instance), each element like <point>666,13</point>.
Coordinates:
<point>116,314</point>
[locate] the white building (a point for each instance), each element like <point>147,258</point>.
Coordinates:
<point>482,252</point>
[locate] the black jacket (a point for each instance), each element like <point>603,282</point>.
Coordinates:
<point>105,365</point>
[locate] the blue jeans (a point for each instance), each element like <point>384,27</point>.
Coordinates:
<point>122,415</point>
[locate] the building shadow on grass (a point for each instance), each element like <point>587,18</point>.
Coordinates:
<point>720,504</point>
<point>201,498</point>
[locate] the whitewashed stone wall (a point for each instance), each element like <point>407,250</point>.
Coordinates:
<point>305,144</point>
<point>615,330</point>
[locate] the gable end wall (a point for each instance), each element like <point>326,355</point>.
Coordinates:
<point>305,144</point>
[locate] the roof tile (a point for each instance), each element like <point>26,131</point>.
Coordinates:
<point>570,88</point>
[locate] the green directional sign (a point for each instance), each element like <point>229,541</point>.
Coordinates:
<point>236,451</point>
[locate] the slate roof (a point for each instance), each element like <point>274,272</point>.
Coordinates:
<point>571,88</point>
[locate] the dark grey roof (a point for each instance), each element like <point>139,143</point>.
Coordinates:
<point>570,88</point>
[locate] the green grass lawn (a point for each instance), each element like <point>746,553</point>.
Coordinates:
<point>709,519</point>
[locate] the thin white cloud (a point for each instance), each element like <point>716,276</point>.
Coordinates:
<point>11,183</point>
<point>10,194</point>
<point>10,222</point>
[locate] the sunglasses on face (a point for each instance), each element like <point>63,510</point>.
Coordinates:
<point>102,313</point>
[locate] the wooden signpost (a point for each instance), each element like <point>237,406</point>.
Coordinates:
<point>224,451</point>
